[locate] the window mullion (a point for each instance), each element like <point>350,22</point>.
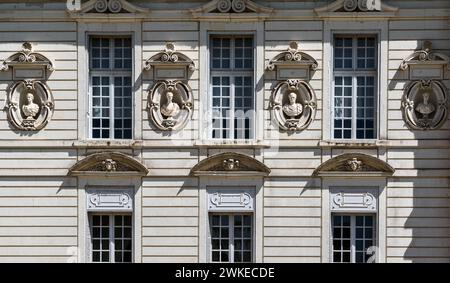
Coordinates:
<point>111,238</point>
<point>352,238</point>
<point>111,107</point>
<point>232,109</point>
<point>231,237</point>
<point>354,104</point>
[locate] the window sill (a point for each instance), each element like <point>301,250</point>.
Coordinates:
<point>354,143</point>
<point>108,144</point>
<point>232,143</point>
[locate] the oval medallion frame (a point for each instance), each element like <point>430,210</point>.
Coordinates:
<point>427,113</point>
<point>17,102</point>
<point>159,108</point>
<point>305,96</point>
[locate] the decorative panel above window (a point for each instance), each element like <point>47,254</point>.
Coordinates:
<point>231,200</point>
<point>369,9</point>
<point>353,199</point>
<point>109,199</point>
<point>220,10</point>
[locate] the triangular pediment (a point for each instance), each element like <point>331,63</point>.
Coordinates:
<point>108,8</point>
<point>353,165</point>
<point>230,164</point>
<point>110,164</point>
<point>231,9</point>
<point>356,8</point>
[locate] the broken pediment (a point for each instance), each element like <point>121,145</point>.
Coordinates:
<point>110,164</point>
<point>230,164</point>
<point>426,58</point>
<point>356,8</point>
<point>27,58</point>
<point>229,9</point>
<point>108,8</point>
<point>353,165</point>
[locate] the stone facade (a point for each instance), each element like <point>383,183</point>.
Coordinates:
<point>291,176</point>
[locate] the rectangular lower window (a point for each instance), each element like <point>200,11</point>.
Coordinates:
<point>232,87</point>
<point>110,76</point>
<point>354,238</point>
<point>111,238</point>
<point>231,237</point>
<point>354,92</point>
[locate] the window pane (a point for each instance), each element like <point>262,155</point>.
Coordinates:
<point>100,106</point>
<point>221,108</point>
<point>122,238</point>
<point>100,238</point>
<point>220,237</point>
<point>122,108</point>
<point>243,237</point>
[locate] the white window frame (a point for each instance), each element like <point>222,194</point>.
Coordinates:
<point>111,73</point>
<point>85,30</point>
<point>352,232</point>
<point>354,73</point>
<point>231,234</point>
<point>380,29</point>
<point>207,183</point>
<point>232,73</point>
<point>207,29</point>
<point>347,185</point>
<point>111,237</point>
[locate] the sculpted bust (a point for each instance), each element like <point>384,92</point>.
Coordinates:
<point>293,109</point>
<point>425,108</point>
<point>170,108</point>
<point>30,109</point>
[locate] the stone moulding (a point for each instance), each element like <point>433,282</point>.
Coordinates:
<point>354,165</point>
<point>230,164</point>
<point>108,164</point>
<point>220,10</point>
<point>356,9</point>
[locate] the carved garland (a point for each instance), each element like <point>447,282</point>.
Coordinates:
<point>29,101</point>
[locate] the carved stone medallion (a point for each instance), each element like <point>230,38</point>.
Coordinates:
<point>170,105</point>
<point>424,105</point>
<point>30,105</point>
<point>293,105</point>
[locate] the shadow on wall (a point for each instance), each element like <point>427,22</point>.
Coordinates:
<point>418,212</point>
